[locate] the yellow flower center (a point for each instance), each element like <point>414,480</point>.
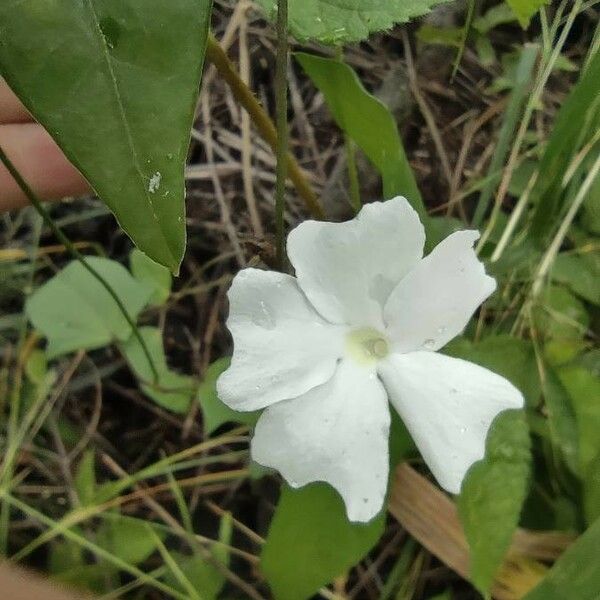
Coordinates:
<point>366,345</point>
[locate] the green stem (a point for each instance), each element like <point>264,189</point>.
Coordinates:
<point>39,207</point>
<point>282,126</point>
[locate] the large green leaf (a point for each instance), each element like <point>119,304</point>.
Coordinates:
<point>115,84</point>
<point>311,541</point>
<point>368,122</point>
<point>581,272</point>
<point>492,496</point>
<point>156,276</point>
<point>172,390</point>
<point>74,311</point>
<point>339,21</point>
<point>575,575</point>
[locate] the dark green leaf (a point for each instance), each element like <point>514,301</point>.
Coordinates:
<point>346,20</point>
<point>74,311</point>
<point>311,541</point>
<point>368,122</point>
<point>115,84</point>
<point>492,496</point>
<point>575,575</point>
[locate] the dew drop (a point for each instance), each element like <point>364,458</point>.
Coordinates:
<point>264,318</point>
<point>429,344</point>
<point>441,330</point>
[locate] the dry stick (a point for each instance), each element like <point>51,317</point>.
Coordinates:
<point>253,213</point>
<point>262,121</point>
<point>37,204</point>
<point>425,110</point>
<point>281,105</point>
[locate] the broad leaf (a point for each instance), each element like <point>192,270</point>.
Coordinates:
<point>368,122</point>
<point>311,541</point>
<point>339,21</point>
<point>492,496</point>
<point>575,574</point>
<point>145,270</point>
<point>214,412</point>
<point>172,390</point>
<point>74,311</point>
<point>115,84</point>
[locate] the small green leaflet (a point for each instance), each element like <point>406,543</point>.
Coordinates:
<point>575,575</point>
<point>368,122</point>
<point>214,412</point>
<point>115,84</point>
<point>341,21</point>
<point>311,541</point>
<point>492,496</point>
<point>74,311</point>
<point>525,9</point>
<point>173,391</point>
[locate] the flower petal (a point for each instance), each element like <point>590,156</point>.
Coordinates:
<point>448,405</point>
<point>281,346</point>
<point>435,301</point>
<point>338,433</point>
<point>347,270</point>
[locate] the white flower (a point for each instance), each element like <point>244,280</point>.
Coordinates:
<point>359,325</point>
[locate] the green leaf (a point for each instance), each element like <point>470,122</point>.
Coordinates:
<point>583,389</point>
<point>560,315</point>
<point>573,127</point>
<point>581,272</point>
<point>575,575</point>
<point>127,538</point>
<point>561,419</point>
<point>85,479</point>
<point>340,21</point>
<point>214,412</point>
<point>74,311</point>
<point>311,541</point>
<point>36,366</point>
<point>157,277</point>
<point>492,496</point>
<point>525,9</point>
<point>443,36</point>
<point>172,390</point>
<point>508,356</point>
<point>499,14</point>
<point>115,83</point>
<point>368,122</point>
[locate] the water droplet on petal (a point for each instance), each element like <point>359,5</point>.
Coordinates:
<point>429,344</point>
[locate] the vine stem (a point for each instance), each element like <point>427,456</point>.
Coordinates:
<point>281,106</point>
<point>263,123</point>
<point>39,207</point>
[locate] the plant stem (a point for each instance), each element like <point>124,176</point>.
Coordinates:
<point>262,121</point>
<point>39,207</point>
<point>281,105</point>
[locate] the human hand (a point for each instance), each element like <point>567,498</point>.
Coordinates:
<point>36,156</point>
